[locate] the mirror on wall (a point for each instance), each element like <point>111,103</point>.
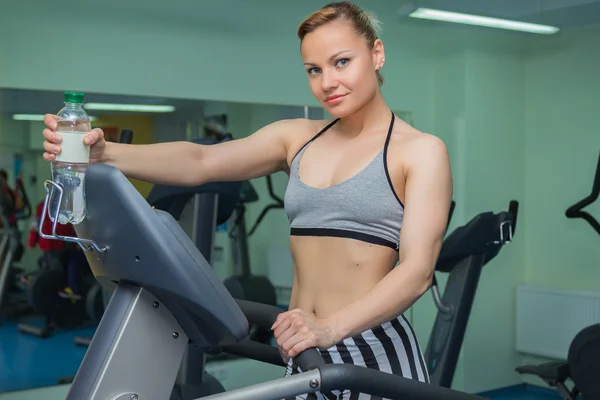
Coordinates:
<point>50,304</point>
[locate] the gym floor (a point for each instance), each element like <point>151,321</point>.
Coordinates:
<point>28,362</point>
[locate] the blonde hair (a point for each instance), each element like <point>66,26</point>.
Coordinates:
<point>365,23</point>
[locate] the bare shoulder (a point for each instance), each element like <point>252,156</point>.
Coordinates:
<point>415,148</point>
<point>299,131</point>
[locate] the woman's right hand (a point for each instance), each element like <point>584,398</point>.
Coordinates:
<point>94,139</point>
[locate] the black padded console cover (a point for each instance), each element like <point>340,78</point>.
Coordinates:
<point>476,237</point>
<point>174,198</point>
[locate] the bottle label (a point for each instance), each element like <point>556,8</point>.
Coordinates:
<point>73,149</point>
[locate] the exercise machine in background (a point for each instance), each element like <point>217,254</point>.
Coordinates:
<point>23,211</point>
<point>11,250</point>
<point>578,374</point>
<point>463,255</point>
<point>14,206</point>
<point>576,210</point>
<point>166,292</point>
<point>57,290</point>
<point>581,368</point>
<point>243,285</point>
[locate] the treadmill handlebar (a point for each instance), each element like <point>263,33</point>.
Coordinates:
<point>353,377</point>
<point>264,316</point>
<point>513,209</point>
<point>383,384</point>
<point>255,351</point>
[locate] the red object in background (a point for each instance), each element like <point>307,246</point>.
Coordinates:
<point>48,244</point>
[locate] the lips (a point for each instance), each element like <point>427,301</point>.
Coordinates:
<point>334,97</point>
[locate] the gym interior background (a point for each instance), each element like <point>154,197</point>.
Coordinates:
<point>517,112</point>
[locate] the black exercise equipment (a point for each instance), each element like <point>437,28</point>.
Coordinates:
<point>277,204</point>
<point>576,210</point>
<point>13,302</point>
<point>463,255</point>
<point>166,292</point>
<point>243,285</point>
<point>59,312</point>
<point>581,367</point>
<point>196,202</point>
<point>434,283</point>
<point>25,211</point>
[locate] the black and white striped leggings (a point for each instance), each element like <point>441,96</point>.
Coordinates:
<point>391,347</point>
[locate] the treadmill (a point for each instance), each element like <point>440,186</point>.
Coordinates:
<point>463,255</point>
<point>167,297</point>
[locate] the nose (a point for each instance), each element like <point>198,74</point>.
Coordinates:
<point>328,81</point>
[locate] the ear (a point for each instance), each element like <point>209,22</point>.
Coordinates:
<point>378,54</point>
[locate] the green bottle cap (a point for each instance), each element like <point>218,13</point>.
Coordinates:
<point>73,97</point>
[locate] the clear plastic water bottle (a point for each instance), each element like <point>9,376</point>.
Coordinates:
<point>68,170</point>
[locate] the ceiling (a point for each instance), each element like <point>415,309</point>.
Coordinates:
<point>566,14</point>
<point>237,14</point>
<point>258,15</point>
<point>278,15</point>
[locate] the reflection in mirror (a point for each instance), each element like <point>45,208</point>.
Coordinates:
<point>52,304</point>
<point>49,300</point>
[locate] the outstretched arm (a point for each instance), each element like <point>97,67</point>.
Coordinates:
<point>428,193</point>
<point>190,164</point>
<point>185,163</point>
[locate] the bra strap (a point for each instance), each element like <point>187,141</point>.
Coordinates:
<point>385,164</point>
<point>316,136</point>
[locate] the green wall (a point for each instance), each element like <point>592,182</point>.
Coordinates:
<point>516,112</point>
<point>561,154</point>
<point>562,145</point>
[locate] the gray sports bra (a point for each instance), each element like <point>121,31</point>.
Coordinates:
<point>363,207</point>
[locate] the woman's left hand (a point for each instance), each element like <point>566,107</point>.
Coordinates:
<point>297,330</point>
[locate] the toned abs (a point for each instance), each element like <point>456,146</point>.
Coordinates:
<point>331,272</point>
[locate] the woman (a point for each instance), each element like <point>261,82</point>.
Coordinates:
<point>365,191</point>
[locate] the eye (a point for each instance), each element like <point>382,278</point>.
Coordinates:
<point>312,71</point>
<point>342,62</point>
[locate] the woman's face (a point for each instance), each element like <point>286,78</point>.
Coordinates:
<point>341,67</point>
